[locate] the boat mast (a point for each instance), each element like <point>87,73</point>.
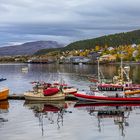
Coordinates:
<point>99,80</point>
<point>121,67</point>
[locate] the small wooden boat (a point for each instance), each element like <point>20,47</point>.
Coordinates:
<point>67,90</point>
<point>100,97</point>
<point>4,94</point>
<point>41,96</point>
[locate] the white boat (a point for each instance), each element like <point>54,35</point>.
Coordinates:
<point>24,69</point>
<point>67,90</point>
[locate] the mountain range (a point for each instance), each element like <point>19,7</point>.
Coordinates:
<point>43,47</point>
<point>28,48</point>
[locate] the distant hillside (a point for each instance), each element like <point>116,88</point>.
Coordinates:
<point>28,48</point>
<point>110,40</point>
<point>113,40</point>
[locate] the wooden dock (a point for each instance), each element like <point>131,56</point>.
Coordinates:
<point>16,97</point>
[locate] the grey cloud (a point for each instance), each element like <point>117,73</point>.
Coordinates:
<point>40,29</point>
<point>68,19</point>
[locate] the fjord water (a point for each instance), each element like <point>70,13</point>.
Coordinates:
<point>20,120</point>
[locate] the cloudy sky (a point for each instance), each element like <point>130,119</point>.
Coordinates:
<point>65,20</point>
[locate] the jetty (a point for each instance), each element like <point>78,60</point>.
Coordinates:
<point>16,96</point>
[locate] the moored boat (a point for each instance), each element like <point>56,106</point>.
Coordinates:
<point>4,94</point>
<point>132,92</point>
<point>44,92</point>
<point>64,88</point>
<point>39,96</point>
<point>100,97</point>
<point>119,83</point>
<point>67,90</point>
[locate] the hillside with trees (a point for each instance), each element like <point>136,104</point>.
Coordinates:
<point>113,40</point>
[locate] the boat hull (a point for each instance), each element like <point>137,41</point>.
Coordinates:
<point>93,98</point>
<point>100,104</point>
<point>41,97</point>
<point>4,94</point>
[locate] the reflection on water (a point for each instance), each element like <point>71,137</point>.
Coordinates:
<point>52,111</point>
<point>63,120</point>
<point>119,113</point>
<point>4,105</point>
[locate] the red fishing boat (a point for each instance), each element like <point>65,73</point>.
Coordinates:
<point>119,83</point>
<point>101,97</point>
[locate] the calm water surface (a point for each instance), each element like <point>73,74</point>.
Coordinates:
<point>20,120</point>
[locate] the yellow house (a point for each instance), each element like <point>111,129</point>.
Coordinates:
<point>107,57</point>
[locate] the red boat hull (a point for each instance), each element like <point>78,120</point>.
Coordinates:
<point>96,104</point>
<point>87,97</point>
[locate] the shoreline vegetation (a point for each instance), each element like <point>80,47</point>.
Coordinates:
<point>6,61</point>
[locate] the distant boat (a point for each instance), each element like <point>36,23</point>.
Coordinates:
<point>4,94</point>
<point>2,79</point>
<point>24,69</point>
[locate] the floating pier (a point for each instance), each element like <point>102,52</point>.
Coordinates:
<point>16,97</point>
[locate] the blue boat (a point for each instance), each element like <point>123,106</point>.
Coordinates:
<point>2,79</point>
